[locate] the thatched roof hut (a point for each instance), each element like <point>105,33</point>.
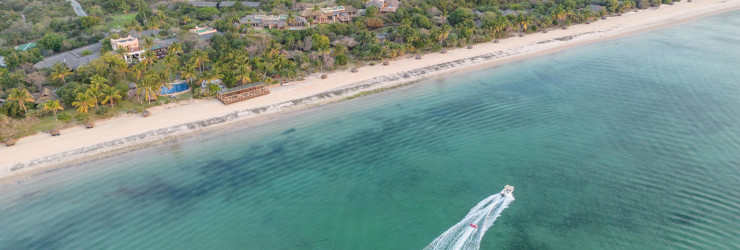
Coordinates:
<point>353,70</point>
<point>44,96</point>
<point>418,57</point>
<point>324,76</point>
<point>444,51</point>
<point>386,63</point>
<point>90,124</point>
<point>146,113</point>
<point>55,132</point>
<point>10,142</point>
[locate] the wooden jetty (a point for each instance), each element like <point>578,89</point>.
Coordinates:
<point>243,92</point>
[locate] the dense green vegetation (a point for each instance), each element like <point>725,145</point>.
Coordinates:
<point>242,54</point>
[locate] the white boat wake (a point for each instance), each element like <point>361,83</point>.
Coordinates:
<point>468,233</point>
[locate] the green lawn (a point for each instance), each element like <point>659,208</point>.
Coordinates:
<point>120,21</point>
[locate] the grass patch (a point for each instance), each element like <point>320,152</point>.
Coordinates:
<point>120,21</point>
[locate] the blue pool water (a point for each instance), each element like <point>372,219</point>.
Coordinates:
<point>176,88</point>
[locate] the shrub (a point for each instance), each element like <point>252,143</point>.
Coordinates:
<point>102,110</point>
<point>81,117</point>
<point>64,117</point>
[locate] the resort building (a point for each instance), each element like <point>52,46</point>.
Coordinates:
<point>222,4</point>
<point>160,50</point>
<point>128,43</point>
<point>273,21</point>
<point>384,5</point>
<point>203,30</point>
<point>241,93</point>
<point>73,58</point>
<point>330,14</point>
<point>245,4</point>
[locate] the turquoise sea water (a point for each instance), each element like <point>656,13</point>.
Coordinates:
<point>631,143</point>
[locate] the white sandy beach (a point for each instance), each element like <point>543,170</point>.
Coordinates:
<point>41,151</point>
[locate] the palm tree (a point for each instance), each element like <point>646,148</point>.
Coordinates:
<point>122,68</point>
<point>139,71</point>
<point>148,58</point>
<point>242,75</point>
<point>60,71</point>
<point>97,84</point>
<point>189,74</point>
<point>83,102</point>
<point>148,87</point>
<point>163,76</point>
<point>175,48</point>
<point>523,21</point>
<point>53,106</point>
<point>22,96</point>
<point>199,59</point>
<point>148,42</point>
<point>443,34</point>
<point>291,19</point>
<point>111,95</point>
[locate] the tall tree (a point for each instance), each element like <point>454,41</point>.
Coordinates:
<point>53,106</point>
<point>83,102</point>
<point>189,74</point>
<point>60,71</point>
<point>148,88</point>
<point>199,59</point>
<point>111,95</point>
<point>22,96</point>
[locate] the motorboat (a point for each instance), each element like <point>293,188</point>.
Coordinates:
<point>508,189</point>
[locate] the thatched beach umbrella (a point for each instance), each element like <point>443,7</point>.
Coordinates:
<point>495,40</point>
<point>353,70</point>
<point>470,46</point>
<point>90,124</point>
<point>324,76</point>
<point>444,51</point>
<point>10,142</point>
<point>418,57</point>
<point>146,113</point>
<point>386,63</point>
<point>55,132</point>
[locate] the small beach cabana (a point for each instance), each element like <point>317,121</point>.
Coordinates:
<point>241,93</point>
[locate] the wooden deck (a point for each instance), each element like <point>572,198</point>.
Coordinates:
<point>241,93</point>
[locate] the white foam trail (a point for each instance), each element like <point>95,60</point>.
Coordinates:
<point>462,235</point>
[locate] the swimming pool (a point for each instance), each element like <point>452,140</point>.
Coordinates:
<point>176,89</point>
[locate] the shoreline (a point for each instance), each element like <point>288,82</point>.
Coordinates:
<point>42,153</point>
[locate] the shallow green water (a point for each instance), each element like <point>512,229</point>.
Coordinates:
<point>631,143</point>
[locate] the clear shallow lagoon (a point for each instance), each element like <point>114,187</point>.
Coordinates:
<point>632,143</point>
